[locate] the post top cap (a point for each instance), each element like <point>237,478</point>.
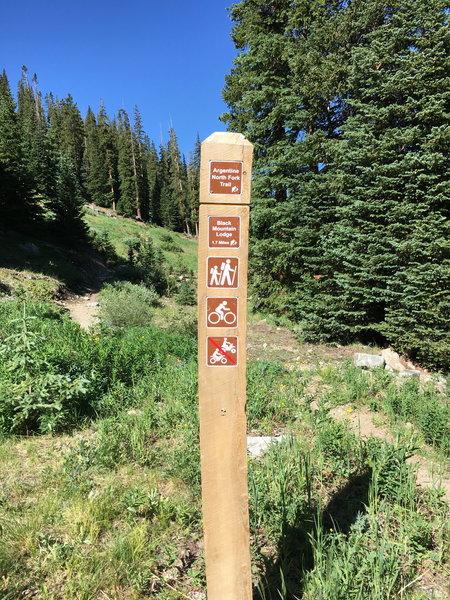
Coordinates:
<point>228,137</point>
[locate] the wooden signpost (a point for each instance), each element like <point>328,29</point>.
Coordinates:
<point>225,176</point>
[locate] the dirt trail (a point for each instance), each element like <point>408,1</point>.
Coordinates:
<point>83,309</point>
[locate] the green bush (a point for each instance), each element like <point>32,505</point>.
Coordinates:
<point>127,304</point>
<point>74,373</point>
<point>187,294</point>
<point>169,244</point>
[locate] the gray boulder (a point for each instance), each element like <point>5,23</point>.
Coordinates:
<point>370,361</point>
<point>257,445</point>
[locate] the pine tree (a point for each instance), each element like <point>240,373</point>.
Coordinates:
<point>71,134</point>
<point>16,203</point>
<point>67,206</point>
<point>108,139</point>
<point>125,168</point>
<point>193,179</point>
<point>153,182</point>
<point>96,164</point>
<point>141,154</point>
<point>388,249</point>
<point>176,213</point>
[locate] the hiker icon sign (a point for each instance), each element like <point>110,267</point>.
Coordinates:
<point>222,272</point>
<point>222,351</point>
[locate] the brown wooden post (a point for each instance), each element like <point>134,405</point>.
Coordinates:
<point>225,178</point>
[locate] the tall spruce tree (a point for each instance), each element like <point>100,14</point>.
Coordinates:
<point>176,214</point>
<point>141,153</point>
<point>16,203</point>
<point>193,178</point>
<point>153,181</point>
<point>67,205</point>
<point>125,168</point>
<point>96,161</point>
<point>108,139</point>
<point>388,257</point>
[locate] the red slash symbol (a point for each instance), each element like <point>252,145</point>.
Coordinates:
<point>221,355</point>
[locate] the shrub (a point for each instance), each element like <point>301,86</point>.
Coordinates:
<point>187,294</point>
<point>169,243</point>
<point>127,304</point>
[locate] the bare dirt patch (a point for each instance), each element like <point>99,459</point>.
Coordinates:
<point>84,310</point>
<point>361,422</point>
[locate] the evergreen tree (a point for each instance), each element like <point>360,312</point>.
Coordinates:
<point>193,178</point>
<point>345,103</point>
<point>176,213</point>
<point>108,138</point>
<point>67,206</point>
<point>96,164</point>
<point>127,186</point>
<point>153,182</point>
<point>141,152</point>
<point>71,134</point>
<point>164,188</point>
<point>16,203</point>
<point>387,254</point>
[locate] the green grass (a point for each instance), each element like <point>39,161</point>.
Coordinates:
<point>120,229</point>
<point>110,504</point>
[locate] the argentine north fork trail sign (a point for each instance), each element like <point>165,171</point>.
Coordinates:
<point>225,175</point>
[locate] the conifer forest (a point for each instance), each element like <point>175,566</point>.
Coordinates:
<point>348,106</point>
<point>52,160</point>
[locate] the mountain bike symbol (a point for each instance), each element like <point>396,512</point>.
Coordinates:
<point>229,318</point>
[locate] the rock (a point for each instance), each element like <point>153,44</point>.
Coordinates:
<point>393,360</point>
<point>257,445</point>
<point>135,411</point>
<point>409,373</point>
<point>368,360</point>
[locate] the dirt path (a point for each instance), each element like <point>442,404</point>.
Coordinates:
<point>83,309</point>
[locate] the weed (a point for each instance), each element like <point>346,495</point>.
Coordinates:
<point>127,304</point>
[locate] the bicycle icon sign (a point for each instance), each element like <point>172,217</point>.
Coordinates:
<point>221,312</point>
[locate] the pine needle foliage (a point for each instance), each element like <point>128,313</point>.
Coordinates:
<point>348,107</point>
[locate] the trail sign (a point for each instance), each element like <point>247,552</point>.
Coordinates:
<point>225,177</point>
<point>221,312</point>
<point>223,272</point>
<point>222,351</point>
<point>224,232</point>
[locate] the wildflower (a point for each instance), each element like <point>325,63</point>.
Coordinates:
<point>185,425</point>
<point>349,410</point>
<point>331,529</point>
<point>282,404</point>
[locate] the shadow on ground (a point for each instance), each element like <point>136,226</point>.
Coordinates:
<point>294,548</point>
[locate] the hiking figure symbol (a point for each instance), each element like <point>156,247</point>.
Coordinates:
<point>222,272</point>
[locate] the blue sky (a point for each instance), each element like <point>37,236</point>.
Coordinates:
<point>170,58</point>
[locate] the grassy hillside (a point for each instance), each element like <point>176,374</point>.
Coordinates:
<point>179,251</point>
